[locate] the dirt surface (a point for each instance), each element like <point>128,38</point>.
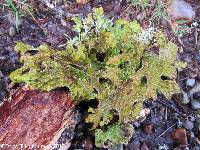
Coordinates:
<point>53,26</point>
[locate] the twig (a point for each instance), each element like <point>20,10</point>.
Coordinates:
<point>185,110</point>
<point>37,22</point>
<point>171,107</point>
<point>165,131</point>
<point>195,37</point>
<point>126,11</point>
<point>166,113</point>
<point>184,78</point>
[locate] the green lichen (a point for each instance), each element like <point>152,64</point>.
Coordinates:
<point>108,61</point>
<point>49,69</point>
<point>114,135</point>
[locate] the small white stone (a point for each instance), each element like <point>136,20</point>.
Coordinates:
<point>12,31</point>
<point>185,99</point>
<point>195,104</point>
<point>186,148</point>
<point>192,135</point>
<point>188,125</point>
<point>194,24</point>
<point>192,118</point>
<point>190,82</point>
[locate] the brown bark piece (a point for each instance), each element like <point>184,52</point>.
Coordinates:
<point>35,118</point>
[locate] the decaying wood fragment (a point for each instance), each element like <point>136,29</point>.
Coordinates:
<point>37,119</point>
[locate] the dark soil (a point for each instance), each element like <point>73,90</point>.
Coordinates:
<point>47,26</point>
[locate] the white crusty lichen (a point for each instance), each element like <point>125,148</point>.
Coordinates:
<point>147,35</point>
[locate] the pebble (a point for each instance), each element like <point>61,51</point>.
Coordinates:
<point>192,118</point>
<point>179,136</point>
<point>190,82</point>
<point>180,9</point>
<point>195,104</point>
<point>195,148</point>
<point>186,148</point>
<point>148,128</point>
<point>192,135</point>
<point>188,125</point>
<point>195,89</point>
<point>185,99</point>
<point>82,2</point>
<point>12,31</point>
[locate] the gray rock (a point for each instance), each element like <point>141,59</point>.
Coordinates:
<point>12,31</point>
<point>188,125</point>
<point>195,104</point>
<point>190,82</point>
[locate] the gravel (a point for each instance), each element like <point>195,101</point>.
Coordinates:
<point>195,104</point>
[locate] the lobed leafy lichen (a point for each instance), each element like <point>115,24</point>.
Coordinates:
<point>114,135</point>
<point>107,61</point>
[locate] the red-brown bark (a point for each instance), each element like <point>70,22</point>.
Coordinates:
<point>33,118</point>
